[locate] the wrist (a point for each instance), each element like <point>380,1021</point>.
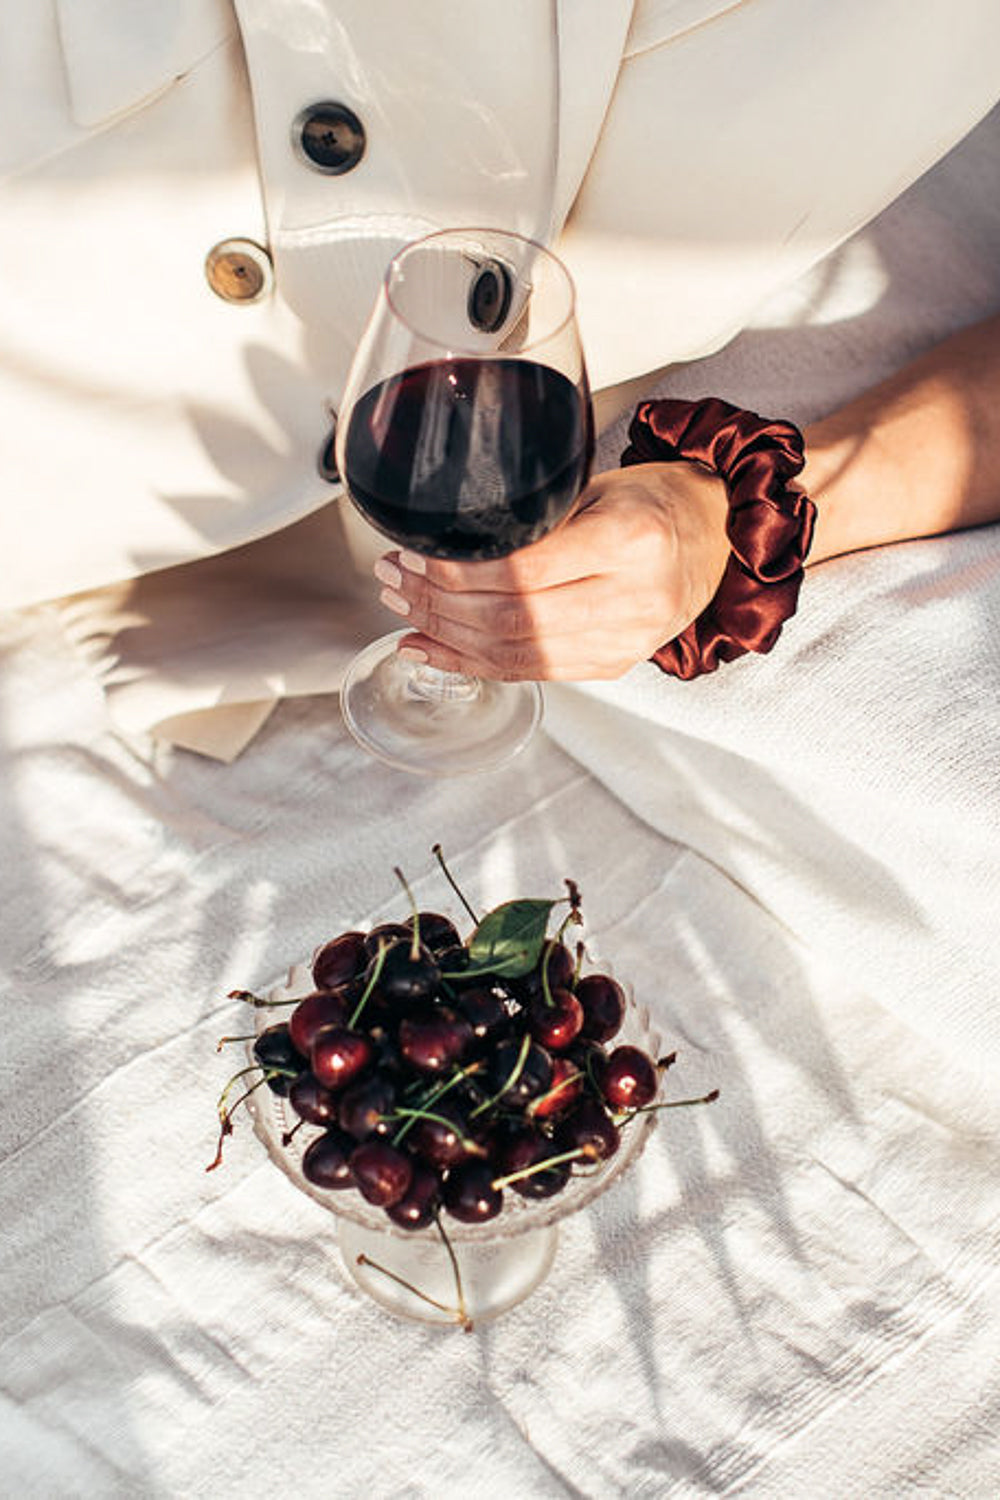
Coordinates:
<point>769,524</point>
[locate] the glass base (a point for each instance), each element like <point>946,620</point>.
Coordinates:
<point>495,1275</point>
<point>435,723</point>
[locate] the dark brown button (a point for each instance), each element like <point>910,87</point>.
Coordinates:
<point>489,296</point>
<point>329,137</point>
<point>239,271</point>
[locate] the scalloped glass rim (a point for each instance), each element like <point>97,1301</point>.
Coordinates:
<point>273,1117</point>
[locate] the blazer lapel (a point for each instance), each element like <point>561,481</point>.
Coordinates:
<point>592,36</point>
<point>119,54</point>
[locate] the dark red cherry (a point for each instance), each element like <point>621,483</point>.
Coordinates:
<point>563,1091</point>
<point>382,1172</point>
<point>469,1195</point>
<point>417,1207</point>
<point>603,1001</point>
<point>433,1040</point>
<point>628,1079</point>
<point>312,1101</point>
<point>588,1127</point>
<point>558,965</point>
<point>364,1107</point>
<point>339,1054</point>
<point>341,959</point>
<point>274,1049</point>
<point>321,1008</point>
<point>518,1082</point>
<point>405,978</point>
<point>526,1150</point>
<point>555,1025</point>
<point>443,1138</point>
<point>326,1160</point>
<point>385,934</point>
<point>437,932</point>
<point>485,1009</point>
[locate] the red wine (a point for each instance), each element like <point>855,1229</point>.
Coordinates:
<point>469,458</point>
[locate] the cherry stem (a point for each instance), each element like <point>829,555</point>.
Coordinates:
<point>415,941</point>
<point>646,1109</point>
<point>578,966</point>
<point>383,949</point>
<point>411,1115</point>
<point>541,1166</point>
<point>226,1128</point>
<point>221,1105</point>
<point>663,1063</point>
<point>515,1074</point>
<point>547,952</point>
<point>439,856</point>
<point>257,1001</point>
<point>224,1039</point>
<point>286,1139</point>
<point>553,1093</point>
<point>432,1098</point>
<point>463,1312</point>
<point>366,1260</point>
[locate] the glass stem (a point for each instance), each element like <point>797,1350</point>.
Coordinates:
<point>435,686</point>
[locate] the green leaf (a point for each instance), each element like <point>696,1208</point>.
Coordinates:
<point>508,941</point>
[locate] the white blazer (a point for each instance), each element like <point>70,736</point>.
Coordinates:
<point>685,156</point>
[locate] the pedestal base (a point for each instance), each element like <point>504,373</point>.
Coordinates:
<point>495,1276</point>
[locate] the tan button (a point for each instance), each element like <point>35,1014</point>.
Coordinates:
<point>239,271</point>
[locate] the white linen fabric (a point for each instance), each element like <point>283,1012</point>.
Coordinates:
<point>797,1291</point>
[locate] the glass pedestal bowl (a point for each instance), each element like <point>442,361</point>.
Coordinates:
<point>471,1272</point>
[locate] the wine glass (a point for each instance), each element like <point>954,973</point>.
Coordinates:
<point>465,432</point>
<point>474,1272</point>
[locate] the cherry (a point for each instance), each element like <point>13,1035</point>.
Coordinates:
<point>527,1148</point>
<point>384,934</point>
<point>628,1078</point>
<point>558,965</point>
<point>406,978</point>
<point>339,1054</point>
<point>382,1172</point>
<point>432,1040</point>
<point>341,959</point>
<point>484,1007</point>
<point>555,1025</point>
<point>321,1008</point>
<point>312,1101</point>
<point>437,932</point>
<point>518,1080</point>
<point>418,1205</point>
<point>588,1128</point>
<point>365,1105</point>
<point>603,1002</point>
<point>565,1088</point>
<point>469,1195</point>
<point>442,1138</point>
<point>325,1162</point>
<point>274,1049</point>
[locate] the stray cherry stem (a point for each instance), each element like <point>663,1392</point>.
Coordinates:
<point>438,855</point>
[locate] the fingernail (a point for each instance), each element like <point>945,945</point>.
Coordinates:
<point>395,601</point>
<point>387,572</point>
<point>413,562</point>
<point>411,653</point>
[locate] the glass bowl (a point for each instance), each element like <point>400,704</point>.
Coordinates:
<point>473,1271</point>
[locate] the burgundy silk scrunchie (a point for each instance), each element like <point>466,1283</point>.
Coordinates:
<point>770,523</point>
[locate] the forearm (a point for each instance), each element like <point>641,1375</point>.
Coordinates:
<point>915,456</point>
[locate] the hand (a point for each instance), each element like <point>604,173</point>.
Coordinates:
<point>634,564</point>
